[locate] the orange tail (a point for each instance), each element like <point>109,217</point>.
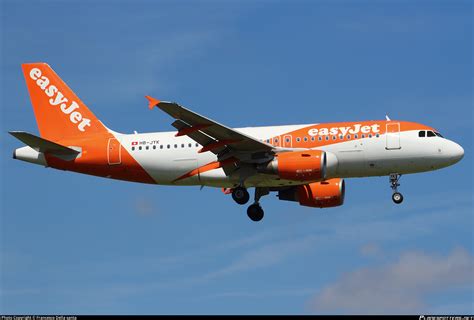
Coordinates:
<point>59,112</point>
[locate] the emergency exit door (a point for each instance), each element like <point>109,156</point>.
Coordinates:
<point>393,136</point>
<point>114,152</point>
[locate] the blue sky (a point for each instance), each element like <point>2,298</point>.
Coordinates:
<point>72,243</point>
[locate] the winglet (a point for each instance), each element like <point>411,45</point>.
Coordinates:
<point>152,102</point>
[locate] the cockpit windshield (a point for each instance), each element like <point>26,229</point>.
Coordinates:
<point>424,133</point>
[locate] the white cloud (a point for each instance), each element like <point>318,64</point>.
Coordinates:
<point>265,256</point>
<point>400,287</point>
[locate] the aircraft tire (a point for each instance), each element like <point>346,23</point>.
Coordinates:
<point>240,195</point>
<point>397,197</point>
<point>255,212</point>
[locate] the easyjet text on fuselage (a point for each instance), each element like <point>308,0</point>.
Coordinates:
<point>353,129</point>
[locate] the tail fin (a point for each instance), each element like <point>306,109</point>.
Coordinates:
<point>59,112</point>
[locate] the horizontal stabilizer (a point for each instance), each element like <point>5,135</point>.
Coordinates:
<point>43,145</point>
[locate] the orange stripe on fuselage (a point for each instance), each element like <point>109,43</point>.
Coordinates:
<point>94,160</point>
<point>331,133</point>
<point>207,167</point>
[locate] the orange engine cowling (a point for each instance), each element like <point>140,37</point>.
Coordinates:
<point>306,165</point>
<point>324,194</point>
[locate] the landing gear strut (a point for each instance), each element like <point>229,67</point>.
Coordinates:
<point>255,211</point>
<point>397,197</point>
<point>240,195</point>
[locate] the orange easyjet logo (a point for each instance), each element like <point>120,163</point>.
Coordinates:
<point>58,99</point>
<point>353,129</point>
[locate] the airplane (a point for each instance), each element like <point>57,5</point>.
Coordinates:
<point>304,163</point>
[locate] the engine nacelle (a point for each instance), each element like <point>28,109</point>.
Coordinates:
<point>306,165</point>
<point>324,194</point>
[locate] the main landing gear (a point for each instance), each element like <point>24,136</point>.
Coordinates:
<point>255,211</point>
<point>397,197</point>
<point>241,196</point>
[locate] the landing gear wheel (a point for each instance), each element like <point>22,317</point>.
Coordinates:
<point>397,197</point>
<point>240,195</point>
<point>255,212</point>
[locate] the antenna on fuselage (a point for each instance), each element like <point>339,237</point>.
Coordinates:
<point>386,117</point>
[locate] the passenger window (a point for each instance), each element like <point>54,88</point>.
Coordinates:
<point>298,139</point>
<point>197,145</point>
<point>363,136</point>
<point>320,138</point>
<point>182,145</point>
<point>421,134</point>
<point>168,146</point>
<point>334,137</point>
<point>327,138</point>
<point>356,136</point>
<point>430,134</point>
<point>133,148</point>
<point>377,135</point>
<point>154,147</point>
<point>161,146</point>
<point>139,148</point>
<point>305,139</point>
<point>189,145</point>
<point>370,135</point>
<point>313,138</point>
<point>175,146</point>
<point>147,147</point>
<point>348,137</point>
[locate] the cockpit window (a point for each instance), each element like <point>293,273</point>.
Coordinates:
<point>438,134</point>
<point>430,134</point>
<point>421,134</point>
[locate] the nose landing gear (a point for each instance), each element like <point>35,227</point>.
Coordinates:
<point>397,197</point>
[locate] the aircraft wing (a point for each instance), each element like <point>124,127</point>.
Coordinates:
<point>213,136</point>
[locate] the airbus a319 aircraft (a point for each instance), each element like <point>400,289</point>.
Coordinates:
<point>304,163</point>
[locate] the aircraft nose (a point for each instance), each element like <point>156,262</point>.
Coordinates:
<point>456,152</point>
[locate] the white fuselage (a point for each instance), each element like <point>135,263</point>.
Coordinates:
<point>166,157</point>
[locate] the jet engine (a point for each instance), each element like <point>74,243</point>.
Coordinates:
<point>324,194</point>
<point>308,165</point>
